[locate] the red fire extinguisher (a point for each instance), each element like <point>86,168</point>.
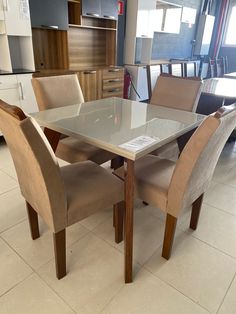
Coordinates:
<point>127,84</point>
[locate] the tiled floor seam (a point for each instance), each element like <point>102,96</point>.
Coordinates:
<point>168,284</point>
<point>12,248</point>
<point>12,177</point>
<point>111,299</point>
<point>14,188</point>
<point>213,247</point>
<point>15,285</point>
<point>58,295</point>
<point>226,294</point>
<point>12,226</point>
<point>222,210</point>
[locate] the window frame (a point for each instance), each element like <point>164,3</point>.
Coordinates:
<point>231,5</point>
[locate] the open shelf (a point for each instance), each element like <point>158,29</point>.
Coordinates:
<point>91,47</point>
<point>98,23</point>
<point>92,27</point>
<point>74,12</point>
<point>21,52</point>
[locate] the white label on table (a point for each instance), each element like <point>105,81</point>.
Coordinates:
<point>138,143</point>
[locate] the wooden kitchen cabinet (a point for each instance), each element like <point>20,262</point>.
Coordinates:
<point>112,82</point>
<point>102,83</point>
<point>89,84</point>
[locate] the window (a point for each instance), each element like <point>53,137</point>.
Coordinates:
<point>230,31</point>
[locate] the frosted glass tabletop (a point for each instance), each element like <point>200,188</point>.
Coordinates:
<point>127,128</point>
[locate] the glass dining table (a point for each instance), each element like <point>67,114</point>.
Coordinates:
<point>126,128</point>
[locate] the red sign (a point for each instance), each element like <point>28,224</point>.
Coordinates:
<point>120,7</point>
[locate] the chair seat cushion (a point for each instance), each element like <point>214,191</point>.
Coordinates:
<point>89,188</point>
<point>73,150</point>
<point>152,179</point>
<point>168,151</point>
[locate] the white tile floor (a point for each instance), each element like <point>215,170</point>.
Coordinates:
<point>199,278</point>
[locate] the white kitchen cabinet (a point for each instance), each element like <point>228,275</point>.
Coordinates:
<point>139,23</point>
<point>139,79</point>
<point>17,17</point>
<point>17,90</point>
<point>27,98</point>
<point>9,90</point>
<point>1,11</point>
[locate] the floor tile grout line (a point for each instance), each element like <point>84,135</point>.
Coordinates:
<point>224,183</point>
<point>51,288</point>
<point>211,246</point>
<point>220,209</point>
<point>12,177</point>
<point>17,253</point>
<point>168,284</point>
<point>226,293</point>
<point>5,192</point>
<point>15,285</point>
<point>36,270</point>
<point>10,227</point>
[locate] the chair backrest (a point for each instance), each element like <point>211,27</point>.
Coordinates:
<point>220,67</point>
<point>195,166</point>
<point>36,165</point>
<point>212,68</point>
<point>57,91</point>
<point>176,92</point>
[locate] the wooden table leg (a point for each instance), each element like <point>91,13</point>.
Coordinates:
<point>129,213</point>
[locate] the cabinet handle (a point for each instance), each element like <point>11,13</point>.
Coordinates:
<point>6,6</point>
<point>89,72</point>
<point>50,26</point>
<point>114,90</point>
<point>114,81</point>
<point>21,91</point>
<point>109,17</point>
<point>92,14</point>
<point>114,70</point>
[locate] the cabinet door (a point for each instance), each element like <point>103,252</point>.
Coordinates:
<point>9,89</point>
<point>91,8</point>
<point>1,11</point>
<point>109,9</point>
<point>89,84</point>
<point>17,17</point>
<point>27,97</point>
<point>49,14</point>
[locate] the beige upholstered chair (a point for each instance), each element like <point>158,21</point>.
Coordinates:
<point>61,196</point>
<point>178,93</point>
<point>174,186</point>
<point>64,90</point>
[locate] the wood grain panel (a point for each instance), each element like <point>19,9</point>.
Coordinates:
<point>90,47</point>
<point>74,12</point>
<point>88,83</point>
<point>50,49</point>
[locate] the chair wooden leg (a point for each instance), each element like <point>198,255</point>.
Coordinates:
<point>196,209</point>
<point>169,236</point>
<point>59,240</point>
<point>118,211</point>
<point>33,221</point>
